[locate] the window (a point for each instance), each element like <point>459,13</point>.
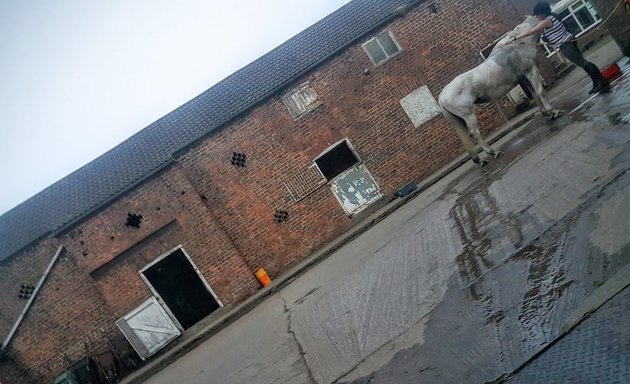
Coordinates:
<point>336,160</point>
<point>579,17</point>
<point>300,100</point>
<point>329,164</point>
<point>382,47</point>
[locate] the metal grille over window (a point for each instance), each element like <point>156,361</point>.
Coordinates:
<point>300,100</point>
<point>305,182</point>
<point>280,216</point>
<point>238,159</point>
<point>381,47</point>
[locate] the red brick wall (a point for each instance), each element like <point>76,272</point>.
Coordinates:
<point>14,272</point>
<point>118,281</point>
<point>165,201</point>
<point>363,108</point>
<point>67,311</point>
<point>525,7</point>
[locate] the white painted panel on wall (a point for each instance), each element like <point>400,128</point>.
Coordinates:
<point>420,106</point>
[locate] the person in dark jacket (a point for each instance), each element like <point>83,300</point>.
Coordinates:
<point>559,37</point>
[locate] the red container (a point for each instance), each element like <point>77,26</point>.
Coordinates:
<point>612,71</point>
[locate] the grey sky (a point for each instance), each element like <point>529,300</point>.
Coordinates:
<point>80,76</point>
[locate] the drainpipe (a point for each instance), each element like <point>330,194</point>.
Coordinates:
<point>32,298</point>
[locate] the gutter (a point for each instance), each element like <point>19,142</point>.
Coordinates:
<point>6,341</point>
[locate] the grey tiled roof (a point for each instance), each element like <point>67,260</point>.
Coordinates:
<point>116,171</point>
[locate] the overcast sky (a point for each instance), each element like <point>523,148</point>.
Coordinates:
<point>77,77</point>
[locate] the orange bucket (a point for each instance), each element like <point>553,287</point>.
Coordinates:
<point>262,277</point>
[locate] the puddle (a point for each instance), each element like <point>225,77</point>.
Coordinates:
<point>536,131</point>
<point>580,116</point>
<point>466,215</point>
<point>478,221</point>
<point>545,284</point>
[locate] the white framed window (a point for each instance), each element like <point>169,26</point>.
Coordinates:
<point>381,47</point>
<point>579,16</point>
<point>301,99</point>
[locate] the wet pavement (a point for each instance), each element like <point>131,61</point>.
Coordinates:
<point>540,231</point>
<point>496,315</point>
<point>465,282</point>
<point>537,238</point>
<point>595,352</point>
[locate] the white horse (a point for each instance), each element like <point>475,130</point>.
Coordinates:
<point>505,67</point>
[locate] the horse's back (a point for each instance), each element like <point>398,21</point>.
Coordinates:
<point>476,84</point>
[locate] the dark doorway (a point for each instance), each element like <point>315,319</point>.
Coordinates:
<point>336,160</point>
<point>181,288</point>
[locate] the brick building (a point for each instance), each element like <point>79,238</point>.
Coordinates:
<point>260,170</point>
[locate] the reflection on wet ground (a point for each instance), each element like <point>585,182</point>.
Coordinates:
<point>546,283</point>
<point>478,220</point>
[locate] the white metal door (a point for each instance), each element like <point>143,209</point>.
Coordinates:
<point>355,189</point>
<point>148,328</point>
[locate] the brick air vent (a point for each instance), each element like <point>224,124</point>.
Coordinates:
<point>26,290</point>
<point>238,159</point>
<point>280,216</point>
<point>133,220</point>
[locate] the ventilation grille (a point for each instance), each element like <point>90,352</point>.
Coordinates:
<point>238,159</point>
<point>280,216</point>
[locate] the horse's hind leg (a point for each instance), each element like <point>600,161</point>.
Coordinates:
<point>473,128</point>
<point>460,128</point>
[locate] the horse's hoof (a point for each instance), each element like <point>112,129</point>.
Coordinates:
<point>479,163</point>
<point>555,114</point>
<point>498,154</point>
